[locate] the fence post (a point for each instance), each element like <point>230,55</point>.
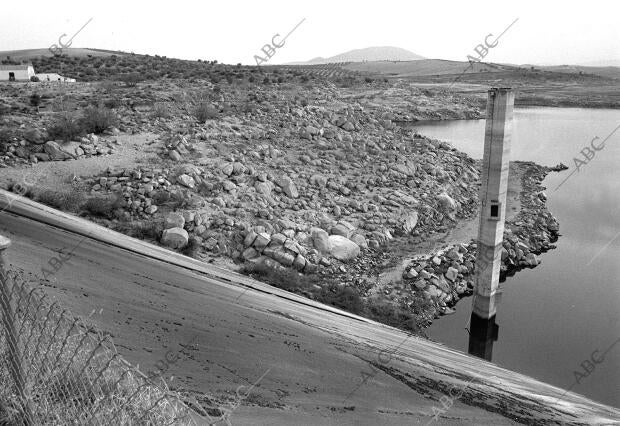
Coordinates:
<point>8,312</point>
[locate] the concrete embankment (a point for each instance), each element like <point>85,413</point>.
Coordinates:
<point>324,366</point>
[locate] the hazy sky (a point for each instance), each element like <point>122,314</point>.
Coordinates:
<point>547,32</point>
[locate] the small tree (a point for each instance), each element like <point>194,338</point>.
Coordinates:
<point>35,100</point>
<point>132,79</point>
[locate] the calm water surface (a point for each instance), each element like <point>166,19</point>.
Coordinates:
<point>553,317</point>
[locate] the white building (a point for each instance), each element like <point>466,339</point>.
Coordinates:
<point>44,77</point>
<point>16,72</point>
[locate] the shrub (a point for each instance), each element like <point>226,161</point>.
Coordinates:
<point>6,136</point>
<point>112,103</point>
<point>192,248</point>
<point>34,79</point>
<point>286,279</point>
<point>132,79</point>
<point>65,126</point>
<point>101,206</point>
<point>174,200</point>
<point>35,100</point>
<point>161,110</point>
<point>108,86</point>
<point>395,316</point>
<point>346,298</point>
<point>204,111</point>
<point>98,119</point>
<point>150,229</point>
<point>34,135</point>
<point>63,200</point>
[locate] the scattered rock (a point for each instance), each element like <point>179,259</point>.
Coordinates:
<point>175,237</point>
<point>186,181</point>
<point>342,248</point>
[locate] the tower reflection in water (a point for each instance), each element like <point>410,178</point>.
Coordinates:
<point>483,331</point>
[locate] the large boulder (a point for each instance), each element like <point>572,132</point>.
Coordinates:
<point>446,202</point>
<point>318,180</point>
<point>263,188</point>
<point>404,169</point>
<point>342,228</point>
<point>175,237</point>
<point>409,222</point>
<point>320,240</point>
<point>174,220</point>
<point>343,248</point>
<point>227,169</point>
<point>532,259</point>
<point>261,240</point>
<point>174,155</point>
<point>186,180</point>
<point>288,186</point>
<point>360,240</point>
<point>284,257</point>
<point>72,148</point>
<point>452,273</point>
<point>55,151</point>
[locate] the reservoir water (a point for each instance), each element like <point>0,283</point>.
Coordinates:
<point>558,322</point>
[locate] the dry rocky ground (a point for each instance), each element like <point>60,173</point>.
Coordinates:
<point>314,188</point>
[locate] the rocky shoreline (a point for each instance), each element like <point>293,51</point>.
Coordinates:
<point>447,275</point>
<point>319,184</point>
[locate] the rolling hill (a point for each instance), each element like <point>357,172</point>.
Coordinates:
<point>368,54</point>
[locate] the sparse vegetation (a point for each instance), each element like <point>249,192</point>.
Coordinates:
<point>101,206</point>
<point>346,298</point>
<point>161,110</point>
<point>4,110</point>
<point>98,119</point>
<point>65,126</point>
<point>132,79</point>
<point>204,111</point>
<point>69,200</point>
<point>6,135</point>
<point>145,230</point>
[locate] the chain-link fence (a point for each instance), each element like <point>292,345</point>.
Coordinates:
<point>56,370</point>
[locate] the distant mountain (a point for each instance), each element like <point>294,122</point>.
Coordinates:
<point>378,53</point>
<point>603,63</point>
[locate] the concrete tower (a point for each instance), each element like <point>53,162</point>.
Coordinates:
<point>493,190</point>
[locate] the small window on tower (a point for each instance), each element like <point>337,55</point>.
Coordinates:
<point>494,210</point>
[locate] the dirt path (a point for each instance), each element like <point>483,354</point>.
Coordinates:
<point>129,151</point>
